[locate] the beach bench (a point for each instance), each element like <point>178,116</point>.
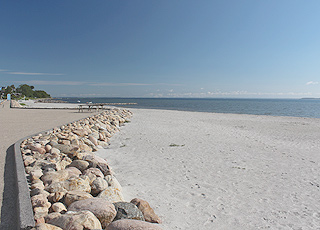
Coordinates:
<point>90,107</point>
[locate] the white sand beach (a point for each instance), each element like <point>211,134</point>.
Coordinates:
<point>221,171</point>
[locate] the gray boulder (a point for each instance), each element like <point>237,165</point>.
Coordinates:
<point>127,210</point>
<point>127,224</point>
<point>79,164</point>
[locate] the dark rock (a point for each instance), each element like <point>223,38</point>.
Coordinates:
<point>127,224</point>
<point>127,210</point>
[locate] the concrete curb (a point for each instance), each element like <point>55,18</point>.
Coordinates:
<point>24,208</point>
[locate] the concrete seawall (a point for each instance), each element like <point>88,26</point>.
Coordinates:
<point>24,207</point>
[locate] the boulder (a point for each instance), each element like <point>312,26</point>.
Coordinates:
<point>113,182</point>
<point>105,169</point>
<point>94,160</point>
<point>40,221</point>
<point>40,212</point>
<point>127,210</point>
<point>75,142</point>
<point>64,163</point>
<point>37,148</point>
<point>111,194</point>
<point>73,171</point>
<point>71,184</point>
<point>37,191</point>
<point>54,151</point>
<point>51,216</point>
<point>45,226</point>
<point>88,142</point>
<point>58,207</point>
<point>36,174</point>
<point>103,144</point>
<point>85,148</point>
<point>64,142</point>
<point>28,160</point>
<point>54,176</point>
<point>98,185</point>
<point>56,187</point>
<point>40,201</point>
<point>80,132</point>
<point>95,135</point>
<point>93,139</point>
<point>76,221</point>
<point>48,148</point>
<point>67,149</point>
<point>44,165</point>
<point>77,183</point>
<point>79,164</point>
<point>73,196</point>
<point>101,208</point>
<point>56,197</point>
<point>147,211</point>
<point>52,166</point>
<point>38,185</point>
<point>93,173</point>
<point>127,224</point>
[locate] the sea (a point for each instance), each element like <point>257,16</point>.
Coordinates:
<point>271,107</point>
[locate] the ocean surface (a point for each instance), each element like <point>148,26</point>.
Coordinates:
<point>272,107</point>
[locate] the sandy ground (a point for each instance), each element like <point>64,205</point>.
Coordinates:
<point>32,104</point>
<point>221,171</point>
<point>14,125</point>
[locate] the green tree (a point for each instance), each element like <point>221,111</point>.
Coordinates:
<point>8,90</point>
<point>26,90</point>
<point>40,94</point>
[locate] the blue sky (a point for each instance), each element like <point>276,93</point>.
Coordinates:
<point>163,48</point>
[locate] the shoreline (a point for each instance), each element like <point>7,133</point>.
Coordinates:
<point>74,106</point>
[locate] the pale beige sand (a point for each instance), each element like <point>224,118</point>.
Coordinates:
<point>14,125</point>
<point>227,172</point>
<point>33,104</point>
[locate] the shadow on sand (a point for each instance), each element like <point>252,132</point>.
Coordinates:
<point>9,203</point>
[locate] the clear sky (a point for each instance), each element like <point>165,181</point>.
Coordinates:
<point>162,48</point>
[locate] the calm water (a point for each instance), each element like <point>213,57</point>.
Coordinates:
<point>273,107</point>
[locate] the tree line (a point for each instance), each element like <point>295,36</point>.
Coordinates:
<point>23,91</point>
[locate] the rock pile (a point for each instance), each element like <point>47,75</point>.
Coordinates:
<point>71,187</point>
